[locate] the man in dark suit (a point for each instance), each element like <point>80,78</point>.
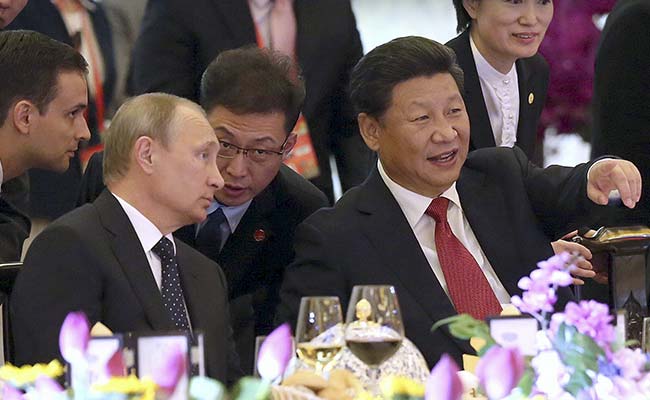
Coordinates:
<point>427,196</point>
<point>183,40</point>
<point>253,100</point>
<point>51,195</point>
<point>116,259</point>
<point>622,95</point>
<point>42,101</point>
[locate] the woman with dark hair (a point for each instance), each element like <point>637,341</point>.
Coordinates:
<point>505,78</point>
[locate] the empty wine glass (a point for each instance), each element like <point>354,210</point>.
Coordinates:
<point>319,332</point>
<point>374,329</point>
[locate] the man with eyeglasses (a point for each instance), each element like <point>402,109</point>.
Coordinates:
<point>252,98</point>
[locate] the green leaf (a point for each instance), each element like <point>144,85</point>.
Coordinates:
<point>578,382</point>
<point>251,389</point>
<point>464,326</point>
<point>577,350</point>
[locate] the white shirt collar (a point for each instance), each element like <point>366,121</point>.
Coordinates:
<point>233,214</point>
<point>1,176</point>
<point>147,232</point>
<point>413,204</point>
<point>488,72</point>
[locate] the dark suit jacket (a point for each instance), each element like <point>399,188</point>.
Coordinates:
<point>184,40</point>
<point>365,239</point>
<point>532,74</point>
<point>53,194</point>
<point>91,260</point>
<point>253,268</point>
<point>621,101</point>
<point>14,229</point>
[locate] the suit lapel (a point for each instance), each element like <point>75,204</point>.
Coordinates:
<point>238,20</point>
<point>527,113</point>
<point>481,129</point>
<point>399,250</point>
<point>486,211</point>
<point>132,259</point>
<point>253,231</point>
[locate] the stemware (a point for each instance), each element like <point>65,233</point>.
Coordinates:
<point>374,329</point>
<point>319,331</point>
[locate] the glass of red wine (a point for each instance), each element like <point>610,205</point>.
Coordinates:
<point>374,330</point>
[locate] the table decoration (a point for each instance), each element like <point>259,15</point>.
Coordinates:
<point>578,353</point>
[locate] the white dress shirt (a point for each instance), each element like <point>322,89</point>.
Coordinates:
<point>414,205</point>
<point>501,95</point>
<point>1,176</point>
<point>148,235</point>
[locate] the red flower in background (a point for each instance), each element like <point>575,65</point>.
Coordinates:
<point>570,48</point>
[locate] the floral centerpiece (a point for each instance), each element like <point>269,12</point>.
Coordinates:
<point>579,354</point>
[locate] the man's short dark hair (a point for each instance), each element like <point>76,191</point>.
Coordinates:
<point>30,64</point>
<point>252,80</point>
<point>401,59</point>
<point>462,17</point>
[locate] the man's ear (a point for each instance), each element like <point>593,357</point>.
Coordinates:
<point>23,114</point>
<point>144,149</point>
<point>370,130</point>
<point>288,146</point>
<point>471,6</point>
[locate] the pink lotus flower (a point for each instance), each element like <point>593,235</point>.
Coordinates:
<point>11,393</point>
<point>275,353</point>
<point>74,337</point>
<point>169,372</point>
<point>499,371</point>
<point>443,383</point>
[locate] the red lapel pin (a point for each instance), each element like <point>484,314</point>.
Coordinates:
<point>259,235</point>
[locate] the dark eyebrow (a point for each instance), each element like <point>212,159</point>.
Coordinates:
<point>80,106</point>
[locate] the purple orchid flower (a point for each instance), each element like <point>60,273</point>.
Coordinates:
<point>275,353</point>
<point>499,371</point>
<point>74,337</point>
<point>444,383</point>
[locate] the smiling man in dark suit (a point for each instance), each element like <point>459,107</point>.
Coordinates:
<point>452,232</point>
<point>116,259</point>
<point>253,98</point>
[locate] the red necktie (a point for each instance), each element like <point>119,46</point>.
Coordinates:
<point>468,288</point>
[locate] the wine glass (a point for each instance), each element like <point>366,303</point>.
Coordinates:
<point>374,329</point>
<point>319,331</point>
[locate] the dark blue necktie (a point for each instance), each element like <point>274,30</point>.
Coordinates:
<point>208,241</point>
<point>170,287</point>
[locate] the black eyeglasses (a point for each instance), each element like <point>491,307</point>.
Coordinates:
<point>229,151</point>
